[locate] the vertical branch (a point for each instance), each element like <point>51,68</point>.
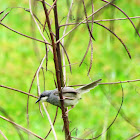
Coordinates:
<point>38,87</point>
<point>58,73</point>
<point>68,16</point>
<point>57,45</point>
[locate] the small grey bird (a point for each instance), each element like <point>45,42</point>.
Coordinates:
<point>71,96</point>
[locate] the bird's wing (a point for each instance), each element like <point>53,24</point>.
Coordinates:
<point>68,92</point>
<point>88,87</point>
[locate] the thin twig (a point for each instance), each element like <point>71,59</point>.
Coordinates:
<point>27,112</point>
<point>53,123</point>
<point>84,20</point>
<point>30,5</point>
<point>114,118</point>
<point>91,43</point>
<point>90,32</point>
<point>21,127</point>
<point>111,122</point>
<point>58,75</point>
<point>128,81</point>
<point>37,77</point>
<point>102,20</point>
<point>122,114</point>
<point>85,53</point>
<point>52,6</point>
<point>8,117</point>
<point>125,15</point>
<point>3,135</point>
<point>48,116</point>
<point>26,93</point>
<point>67,20</point>
<point>4,16</point>
<point>117,37</point>
<point>24,34</point>
<point>135,136</point>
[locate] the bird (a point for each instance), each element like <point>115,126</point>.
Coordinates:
<point>71,96</point>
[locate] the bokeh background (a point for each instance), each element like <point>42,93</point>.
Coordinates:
<point>20,58</point>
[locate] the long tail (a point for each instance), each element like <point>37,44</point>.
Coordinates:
<point>88,87</point>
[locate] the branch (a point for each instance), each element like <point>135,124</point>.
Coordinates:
<point>58,75</point>
<point>111,122</point>
<point>24,34</point>
<point>102,20</point>
<point>3,135</point>
<point>21,127</point>
<point>26,93</point>
<point>125,15</point>
<point>117,38</point>
<point>135,136</point>
<point>84,20</point>
<point>128,81</point>
<point>53,123</point>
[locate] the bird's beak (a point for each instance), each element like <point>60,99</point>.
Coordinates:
<point>37,100</point>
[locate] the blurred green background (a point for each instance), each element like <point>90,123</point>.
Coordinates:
<point>20,58</point>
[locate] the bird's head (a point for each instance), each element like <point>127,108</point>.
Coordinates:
<point>43,96</point>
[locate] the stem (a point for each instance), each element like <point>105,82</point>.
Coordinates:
<point>58,75</point>
<point>57,45</point>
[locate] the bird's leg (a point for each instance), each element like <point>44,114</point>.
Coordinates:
<point>69,109</point>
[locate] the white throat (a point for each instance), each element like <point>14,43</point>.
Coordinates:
<point>43,99</point>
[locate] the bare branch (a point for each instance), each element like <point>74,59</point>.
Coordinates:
<point>102,20</point>
<point>4,16</point>
<point>63,49</point>
<point>84,21</point>
<point>125,15</point>
<point>111,122</point>
<point>87,20</point>
<point>3,135</point>
<point>117,37</point>
<point>58,75</point>
<point>24,34</point>
<point>52,6</point>
<point>135,136</point>
<point>30,5</point>
<point>91,43</point>
<point>48,116</point>
<point>53,123</point>
<point>128,81</point>
<point>19,91</point>
<point>21,127</point>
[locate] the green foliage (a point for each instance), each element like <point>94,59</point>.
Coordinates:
<point>20,58</point>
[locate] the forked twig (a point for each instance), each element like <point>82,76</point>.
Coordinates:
<point>84,20</point>
<point>125,15</point>
<point>58,73</point>
<point>30,5</point>
<point>52,6</point>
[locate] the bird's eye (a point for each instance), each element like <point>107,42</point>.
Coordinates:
<point>42,95</point>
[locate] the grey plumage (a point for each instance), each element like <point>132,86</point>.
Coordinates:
<point>71,96</point>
